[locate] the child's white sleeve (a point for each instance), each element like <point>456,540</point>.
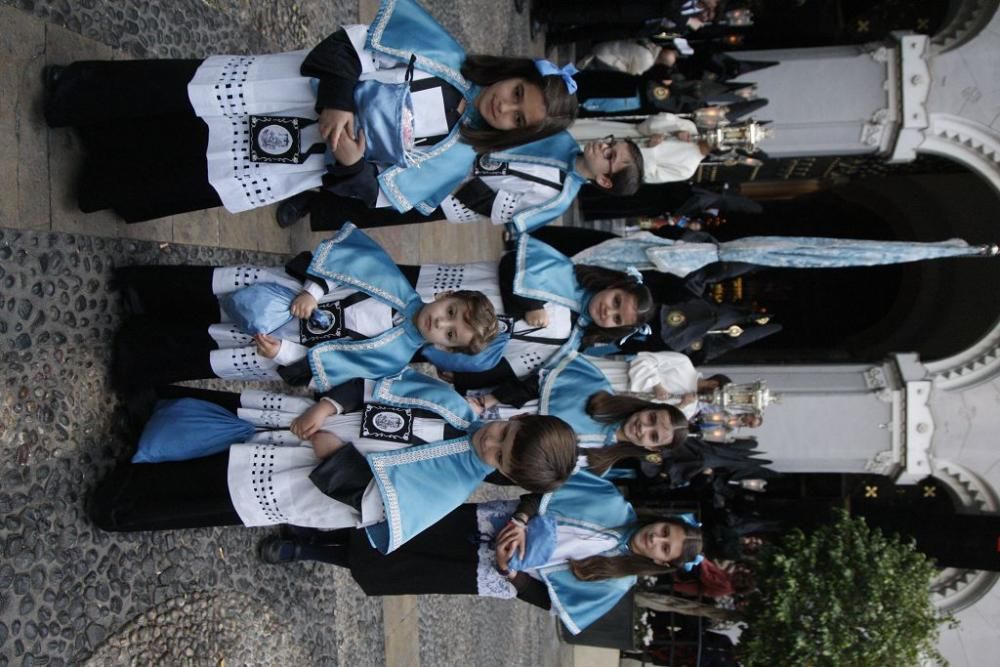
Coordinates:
<point>673,370</point>
<point>290,352</point>
<point>510,202</point>
<point>666,123</point>
<point>315,289</point>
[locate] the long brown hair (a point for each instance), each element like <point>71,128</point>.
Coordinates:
<point>596,568</point>
<point>543,455</point>
<point>560,104</point>
<point>609,408</point>
<point>596,279</point>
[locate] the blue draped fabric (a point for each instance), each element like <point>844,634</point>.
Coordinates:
<point>559,150</point>
<point>385,115</point>
<point>259,308</point>
<point>612,104</point>
<point>646,251</point>
<point>539,541</point>
<point>411,389</point>
<point>352,258</point>
<point>421,484</point>
<point>566,386</point>
<point>189,428</point>
<point>402,28</point>
<point>334,362</point>
<point>532,218</point>
<point>483,360</point>
<point>590,502</point>
<point>543,273</point>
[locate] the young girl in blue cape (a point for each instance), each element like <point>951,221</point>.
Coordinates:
<point>579,555</point>
<point>212,458</point>
<point>169,136</point>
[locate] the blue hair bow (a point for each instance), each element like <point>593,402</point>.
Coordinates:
<point>634,273</point>
<point>547,68</point>
<point>693,563</point>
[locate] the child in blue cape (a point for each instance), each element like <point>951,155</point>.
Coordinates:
<point>548,289</point>
<point>580,561</point>
<point>218,459</point>
<point>168,136</point>
<point>523,193</point>
<point>257,323</point>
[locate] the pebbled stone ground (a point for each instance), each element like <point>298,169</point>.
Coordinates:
<point>198,28</point>
<point>195,28</point>
<point>71,594</point>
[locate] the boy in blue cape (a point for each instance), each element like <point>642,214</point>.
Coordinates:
<point>373,320</point>
<point>212,458</point>
<point>506,188</point>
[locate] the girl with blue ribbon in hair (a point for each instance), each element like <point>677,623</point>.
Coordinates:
<point>577,551</point>
<point>551,306</point>
<point>392,113</point>
<point>577,389</point>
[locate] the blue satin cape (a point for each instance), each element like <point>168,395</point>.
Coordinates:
<point>565,388</point>
<point>591,502</point>
<point>403,28</point>
<point>353,259</point>
<point>405,477</point>
<point>411,389</point>
<point>543,273</point>
<point>421,484</point>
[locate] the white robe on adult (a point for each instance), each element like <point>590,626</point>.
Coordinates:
<point>627,55</point>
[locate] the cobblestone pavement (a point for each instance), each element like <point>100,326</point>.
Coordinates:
<point>197,28</point>
<point>68,590</point>
<point>70,594</point>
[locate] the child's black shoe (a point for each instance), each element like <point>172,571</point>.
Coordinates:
<point>294,209</point>
<point>276,550</point>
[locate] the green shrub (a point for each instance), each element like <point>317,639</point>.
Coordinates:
<point>842,596</point>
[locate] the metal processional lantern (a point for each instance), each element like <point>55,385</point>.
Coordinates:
<point>729,403</point>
